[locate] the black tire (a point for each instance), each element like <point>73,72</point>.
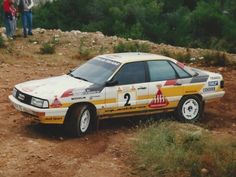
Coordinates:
<point>190,109</point>
<point>76,123</point>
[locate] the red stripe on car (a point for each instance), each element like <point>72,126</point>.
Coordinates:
<point>67,93</point>
<point>181,65</point>
<point>170,82</point>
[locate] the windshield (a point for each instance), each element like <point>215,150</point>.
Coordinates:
<point>96,70</point>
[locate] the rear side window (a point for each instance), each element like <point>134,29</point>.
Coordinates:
<point>180,71</point>
<point>161,70</point>
<point>131,73</point>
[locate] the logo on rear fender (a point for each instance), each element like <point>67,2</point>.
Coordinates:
<point>213,83</point>
<point>209,89</point>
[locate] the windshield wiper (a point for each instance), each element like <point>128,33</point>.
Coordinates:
<point>77,77</point>
<point>80,78</point>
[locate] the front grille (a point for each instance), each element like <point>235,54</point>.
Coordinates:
<point>22,97</point>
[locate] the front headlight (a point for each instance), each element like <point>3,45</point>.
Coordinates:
<point>39,102</point>
<point>14,92</point>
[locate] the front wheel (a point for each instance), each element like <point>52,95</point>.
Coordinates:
<point>78,120</point>
<point>190,109</point>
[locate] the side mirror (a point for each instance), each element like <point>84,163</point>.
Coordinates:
<point>111,83</point>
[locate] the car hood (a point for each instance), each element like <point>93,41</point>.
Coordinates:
<point>51,87</point>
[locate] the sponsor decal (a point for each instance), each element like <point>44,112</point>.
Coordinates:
<point>78,98</point>
<point>159,100</point>
<point>93,89</point>
<point>21,97</point>
<point>213,83</point>
<point>215,77</point>
<point>94,96</point>
<point>109,61</point>
<point>53,118</point>
<point>209,89</point>
<point>56,103</point>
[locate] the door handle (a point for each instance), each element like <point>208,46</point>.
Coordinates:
<point>142,88</point>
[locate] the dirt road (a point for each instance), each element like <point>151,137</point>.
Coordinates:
<point>29,149</point>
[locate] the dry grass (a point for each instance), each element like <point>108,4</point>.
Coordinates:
<point>174,149</point>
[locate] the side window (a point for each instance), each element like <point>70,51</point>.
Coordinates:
<point>180,71</point>
<point>131,73</point>
<point>160,71</point>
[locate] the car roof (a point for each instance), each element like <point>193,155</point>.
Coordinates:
<point>134,56</point>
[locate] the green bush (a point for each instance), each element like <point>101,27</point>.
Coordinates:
<point>183,22</point>
<point>47,48</point>
<point>183,57</point>
<point>166,53</point>
<point>131,47</point>
<point>174,149</point>
<point>215,59</point>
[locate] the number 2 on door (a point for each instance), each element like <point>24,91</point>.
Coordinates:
<point>127,97</point>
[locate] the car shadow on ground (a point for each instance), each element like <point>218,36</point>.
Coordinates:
<point>56,132</point>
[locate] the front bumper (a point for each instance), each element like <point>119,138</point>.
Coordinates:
<point>46,116</point>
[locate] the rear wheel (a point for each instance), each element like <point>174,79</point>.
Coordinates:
<point>190,109</point>
<point>78,120</point>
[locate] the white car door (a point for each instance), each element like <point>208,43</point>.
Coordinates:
<point>166,84</point>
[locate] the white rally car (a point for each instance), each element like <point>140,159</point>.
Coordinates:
<point>118,85</point>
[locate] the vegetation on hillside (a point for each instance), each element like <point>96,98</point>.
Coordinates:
<point>190,23</point>
<point>174,149</point>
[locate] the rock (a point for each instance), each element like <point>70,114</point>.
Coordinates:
<point>201,58</point>
<point>114,38</point>
<point>100,34</point>
<point>204,171</point>
<point>32,171</point>
<point>4,36</point>
<point>56,36</point>
<point>221,69</point>
<point>75,32</point>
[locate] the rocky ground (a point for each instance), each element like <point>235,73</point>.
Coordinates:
<point>30,149</point>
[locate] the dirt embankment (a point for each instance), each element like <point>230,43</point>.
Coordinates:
<point>29,149</point>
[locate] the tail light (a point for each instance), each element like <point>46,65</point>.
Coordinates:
<point>222,84</point>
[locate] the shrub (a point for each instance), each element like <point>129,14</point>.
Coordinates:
<point>183,57</point>
<point>165,52</point>
<point>84,52</point>
<point>131,47</point>
<point>2,42</point>
<point>174,149</point>
<point>215,59</point>
<point>47,48</point>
